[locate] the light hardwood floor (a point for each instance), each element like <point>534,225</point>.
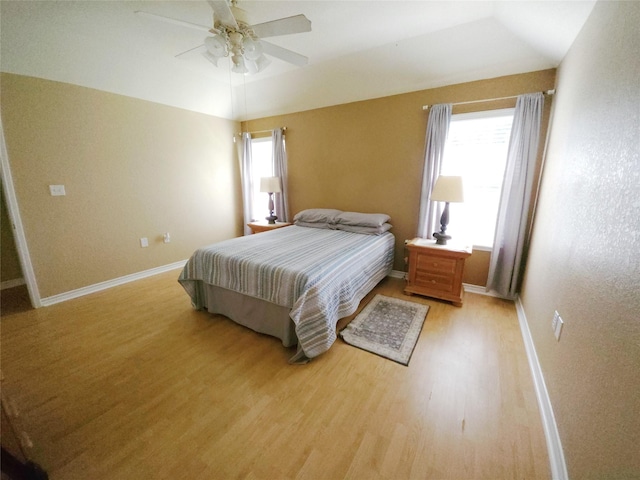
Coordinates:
<point>131,383</point>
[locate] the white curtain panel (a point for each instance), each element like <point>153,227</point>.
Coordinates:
<point>245,174</point>
<point>505,269</point>
<point>436,137</point>
<point>281,200</point>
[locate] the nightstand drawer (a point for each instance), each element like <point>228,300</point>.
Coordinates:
<point>441,283</point>
<point>436,264</point>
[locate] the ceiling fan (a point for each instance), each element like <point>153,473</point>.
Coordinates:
<point>233,35</point>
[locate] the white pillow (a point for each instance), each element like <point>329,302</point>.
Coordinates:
<point>317,215</point>
<point>362,219</point>
<point>331,226</point>
<point>365,230</point>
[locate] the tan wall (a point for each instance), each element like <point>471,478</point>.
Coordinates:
<point>368,156</point>
<point>585,253</point>
<point>131,169</point>
<point>10,263</point>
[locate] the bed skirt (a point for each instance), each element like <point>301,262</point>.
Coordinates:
<point>254,313</point>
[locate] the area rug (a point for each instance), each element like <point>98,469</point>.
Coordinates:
<point>388,327</point>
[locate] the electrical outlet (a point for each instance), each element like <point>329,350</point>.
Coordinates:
<point>57,190</point>
<point>166,238</point>
<point>144,242</point>
<point>556,325</point>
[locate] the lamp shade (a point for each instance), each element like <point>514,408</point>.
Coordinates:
<point>255,66</point>
<point>270,184</point>
<point>238,64</point>
<point>448,189</point>
<point>252,48</point>
<point>216,45</point>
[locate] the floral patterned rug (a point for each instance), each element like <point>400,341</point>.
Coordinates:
<point>388,327</point>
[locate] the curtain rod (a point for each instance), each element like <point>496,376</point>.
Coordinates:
<point>284,129</point>
<point>548,92</point>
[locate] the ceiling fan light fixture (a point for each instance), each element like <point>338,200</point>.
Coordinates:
<point>256,66</point>
<point>216,45</point>
<point>238,64</point>
<point>262,62</point>
<point>252,48</point>
<point>212,58</point>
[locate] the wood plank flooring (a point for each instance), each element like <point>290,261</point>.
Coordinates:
<point>131,383</point>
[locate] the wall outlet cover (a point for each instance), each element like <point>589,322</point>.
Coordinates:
<point>57,190</point>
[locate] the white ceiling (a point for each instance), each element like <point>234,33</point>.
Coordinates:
<point>357,49</point>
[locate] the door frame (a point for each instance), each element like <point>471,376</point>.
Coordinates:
<point>16,223</point>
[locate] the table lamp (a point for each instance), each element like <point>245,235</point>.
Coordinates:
<point>447,189</point>
<point>270,185</point>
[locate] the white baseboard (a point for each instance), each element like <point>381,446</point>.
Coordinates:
<point>468,287</point>
<point>16,282</point>
<point>62,297</point>
<point>398,274</point>
<point>479,289</point>
<point>552,437</point>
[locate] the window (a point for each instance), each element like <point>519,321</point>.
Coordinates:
<point>476,149</point>
<point>261,166</point>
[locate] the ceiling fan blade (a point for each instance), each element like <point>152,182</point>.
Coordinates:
<point>173,20</point>
<point>222,13</point>
<point>284,54</point>
<point>199,47</point>
<point>283,26</point>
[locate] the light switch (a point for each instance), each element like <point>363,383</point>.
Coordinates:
<point>57,190</point>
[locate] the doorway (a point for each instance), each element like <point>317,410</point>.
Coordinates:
<point>14,295</point>
<point>15,243</point>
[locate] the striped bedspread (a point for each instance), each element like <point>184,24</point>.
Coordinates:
<point>320,274</point>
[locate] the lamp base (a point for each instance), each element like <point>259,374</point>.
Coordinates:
<point>441,238</point>
<point>271,218</point>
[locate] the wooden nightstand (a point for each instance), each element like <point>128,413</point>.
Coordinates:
<point>436,270</point>
<point>263,226</point>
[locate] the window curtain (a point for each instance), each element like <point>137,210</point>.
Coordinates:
<point>436,136</point>
<point>245,175</point>
<point>505,268</point>
<point>279,157</point>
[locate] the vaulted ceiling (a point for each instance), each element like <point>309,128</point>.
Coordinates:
<point>357,49</point>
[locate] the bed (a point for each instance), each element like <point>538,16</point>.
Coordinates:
<point>296,282</point>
